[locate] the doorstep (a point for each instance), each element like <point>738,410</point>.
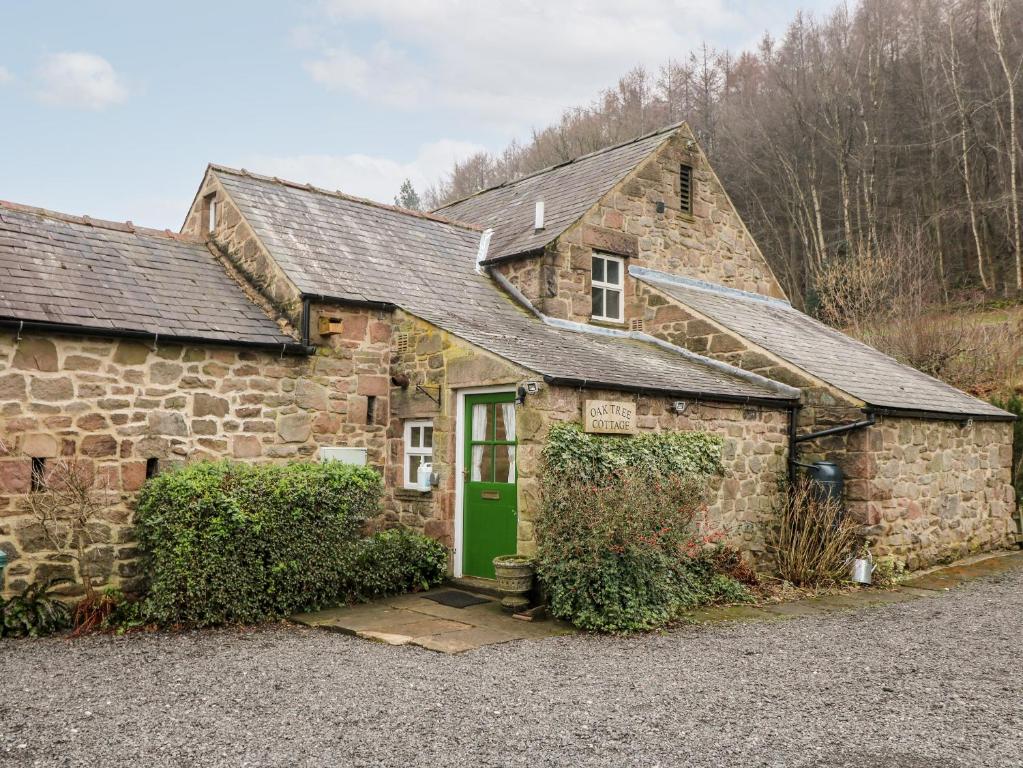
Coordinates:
<point>413,619</point>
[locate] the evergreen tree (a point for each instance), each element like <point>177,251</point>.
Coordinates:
<point>408,197</point>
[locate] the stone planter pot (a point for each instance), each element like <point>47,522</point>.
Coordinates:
<point>514,580</point>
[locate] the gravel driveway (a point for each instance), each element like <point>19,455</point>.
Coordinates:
<point>933,682</point>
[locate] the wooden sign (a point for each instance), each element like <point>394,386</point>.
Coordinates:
<point>609,417</point>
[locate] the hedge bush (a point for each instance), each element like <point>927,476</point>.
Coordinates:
<point>397,560</point>
<point>227,542</point>
<point>618,548</point>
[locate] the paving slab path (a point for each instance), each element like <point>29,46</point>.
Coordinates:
<point>417,620</point>
<point>930,682</point>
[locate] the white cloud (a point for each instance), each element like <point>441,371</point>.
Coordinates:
<point>5,75</point>
<point>377,178</point>
<point>82,80</point>
<point>514,63</point>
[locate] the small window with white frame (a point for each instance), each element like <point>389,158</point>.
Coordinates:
<point>607,281</point>
<point>418,449</point>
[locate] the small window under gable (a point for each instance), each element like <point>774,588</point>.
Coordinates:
<point>607,282</point>
<point>418,449</point>
<point>210,213</point>
<point>685,188</point>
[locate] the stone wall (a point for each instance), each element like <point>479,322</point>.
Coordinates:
<point>440,364</point>
<point>711,243</point>
<point>740,503</point>
<point>911,511</point>
<point>935,491</point>
<point>113,405</point>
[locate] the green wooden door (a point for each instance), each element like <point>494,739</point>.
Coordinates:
<point>490,495</point>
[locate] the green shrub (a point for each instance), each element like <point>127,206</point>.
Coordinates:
<point>227,542</point>
<point>625,555</point>
<point>574,454</point>
<point>398,560</point>
<point>34,613</point>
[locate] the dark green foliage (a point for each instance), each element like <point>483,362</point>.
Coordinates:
<point>34,613</point>
<point>577,455</point>
<point>227,542</point>
<point>1014,404</point>
<point>617,542</point>
<point>398,560</point>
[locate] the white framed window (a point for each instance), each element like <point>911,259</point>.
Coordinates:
<point>418,449</point>
<point>607,281</point>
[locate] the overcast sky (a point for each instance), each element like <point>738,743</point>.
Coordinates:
<point>113,108</point>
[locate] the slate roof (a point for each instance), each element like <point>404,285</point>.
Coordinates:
<point>568,190</point>
<point>336,246</point>
<point>822,351</point>
<point>107,276</point>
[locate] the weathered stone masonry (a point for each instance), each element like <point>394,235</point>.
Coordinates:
<point>116,404</point>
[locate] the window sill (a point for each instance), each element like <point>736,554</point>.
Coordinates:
<point>607,323</point>
<point>411,494</point>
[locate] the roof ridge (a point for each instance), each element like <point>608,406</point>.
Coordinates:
<point>89,221</point>
<point>512,182</point>
<point>337,193</point>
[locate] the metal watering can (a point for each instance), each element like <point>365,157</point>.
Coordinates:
<point>863,569</point>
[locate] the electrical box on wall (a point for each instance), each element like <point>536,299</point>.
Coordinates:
<point>327,325</point>
<point>356,456</point>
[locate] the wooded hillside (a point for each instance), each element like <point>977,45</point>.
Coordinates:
<point>876,150</point>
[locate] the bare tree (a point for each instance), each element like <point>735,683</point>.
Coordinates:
<point>69,503</point>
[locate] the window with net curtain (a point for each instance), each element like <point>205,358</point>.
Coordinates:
<point>418,449</point>
<point>493,463</point>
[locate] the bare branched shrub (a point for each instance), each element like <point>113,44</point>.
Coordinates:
<point>814,538</point>
<point>894,280</point>
<point>962,349</point>
<point>69,504</point>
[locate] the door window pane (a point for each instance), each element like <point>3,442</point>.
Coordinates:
<point>501,464</point>
<point>415,439</point>
<point>500,430</point>
<point>428,437</point>
<point>487,464</point>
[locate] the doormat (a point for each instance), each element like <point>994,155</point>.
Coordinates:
<point>456,599</point>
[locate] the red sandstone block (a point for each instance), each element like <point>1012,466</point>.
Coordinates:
<point>373,385</point>
<point>133,475</point>
<point>355,327</point>
<point>16,475</point>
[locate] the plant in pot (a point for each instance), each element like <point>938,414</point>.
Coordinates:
<point>514,580</point>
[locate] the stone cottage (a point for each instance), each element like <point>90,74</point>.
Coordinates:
<point>619,291</point>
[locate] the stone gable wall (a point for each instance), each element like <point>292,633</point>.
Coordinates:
<point>235,239</point>
<point>115,404</point>
<point>710,244</point>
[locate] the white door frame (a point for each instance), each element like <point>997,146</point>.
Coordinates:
<point>460,463</point>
